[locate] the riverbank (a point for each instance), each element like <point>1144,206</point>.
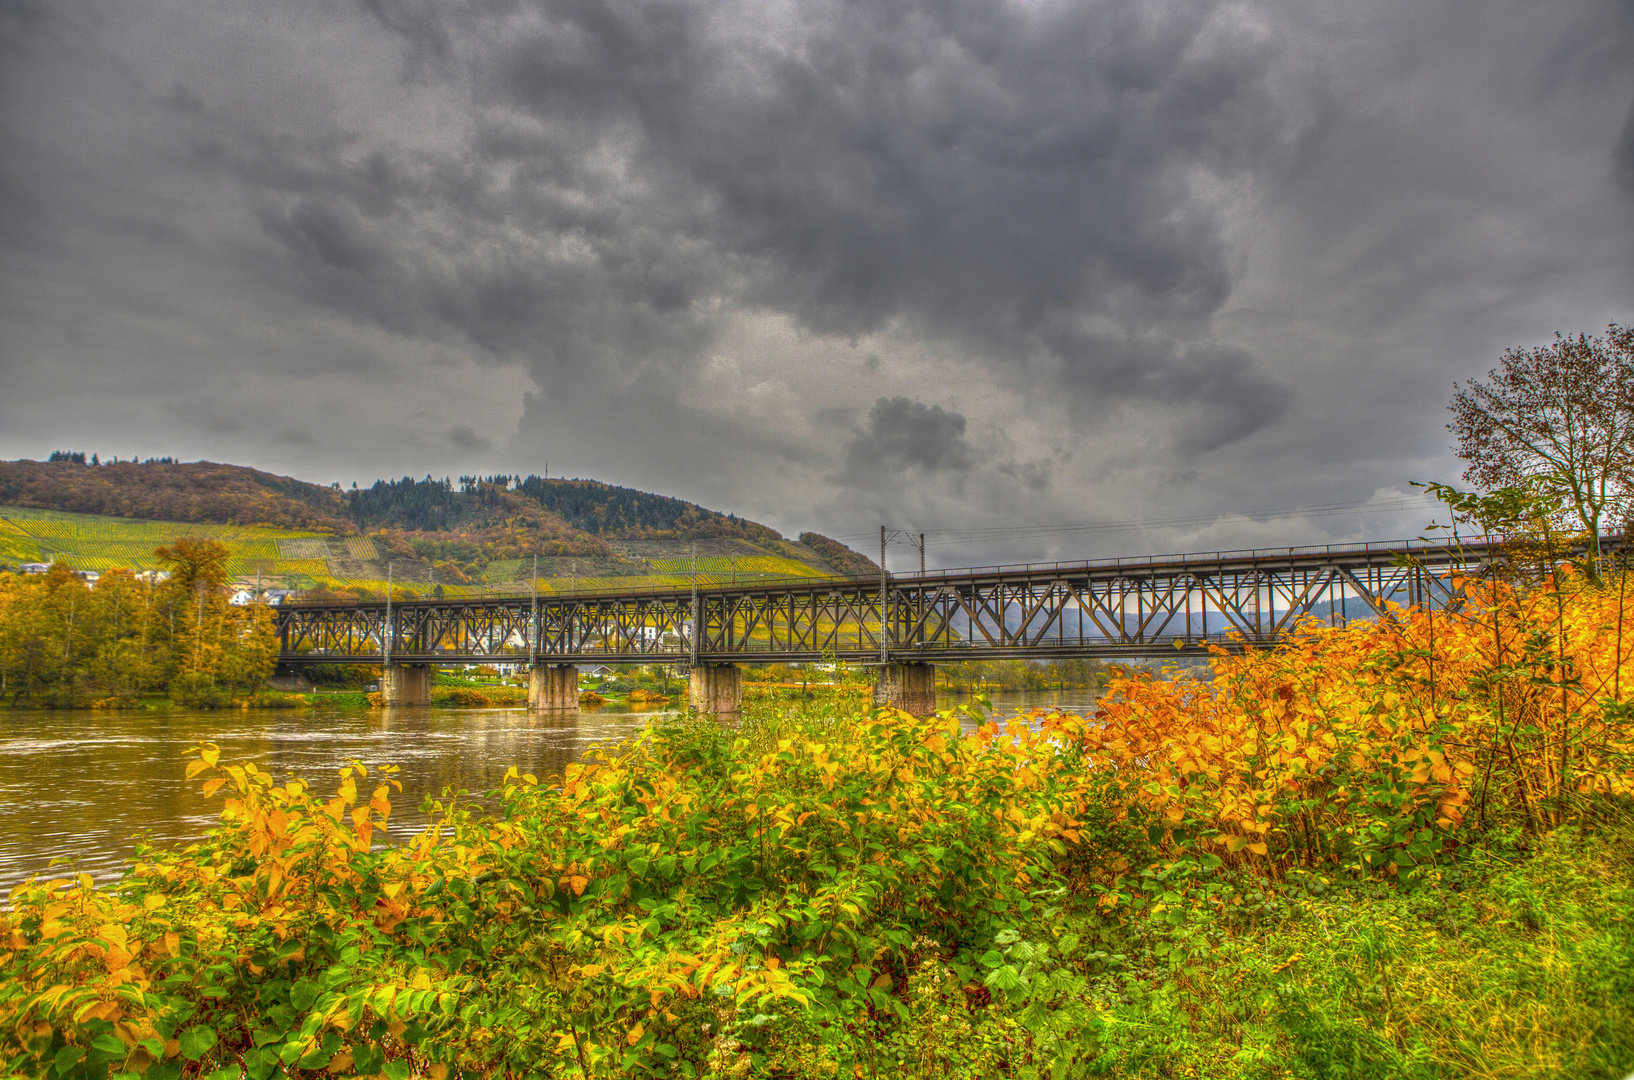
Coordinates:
<point>83,785</point>
<point>503,696</point>
<point>1395,849</point>
<point>744,903</point>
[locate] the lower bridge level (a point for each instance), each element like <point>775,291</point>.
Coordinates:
<point>711,688</point>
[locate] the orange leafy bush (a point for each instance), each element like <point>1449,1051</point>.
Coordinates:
<point>1368,745</point>
<point>792,877</point>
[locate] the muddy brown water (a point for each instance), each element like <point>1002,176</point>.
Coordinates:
<point>85,786</point>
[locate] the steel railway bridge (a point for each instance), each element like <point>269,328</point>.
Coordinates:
<point>1158,606</point>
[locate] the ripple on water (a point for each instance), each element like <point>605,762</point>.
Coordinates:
<point>85,785</point>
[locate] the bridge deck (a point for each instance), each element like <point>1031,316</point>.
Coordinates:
<point>1164,605</point>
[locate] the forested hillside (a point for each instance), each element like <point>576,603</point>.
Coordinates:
<point>201,491</point>
<point>477,533</point>
<point>838,555</point>
<point>606,508</point>
<point>589,506</point>
<point>208,492</point>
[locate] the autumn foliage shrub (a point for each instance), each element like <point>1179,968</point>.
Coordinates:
<point>807,891</point>
<point>1370,747</point>
<point>670,889</point>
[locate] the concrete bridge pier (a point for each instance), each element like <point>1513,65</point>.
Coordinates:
<point>909,687</point>
<point>716,688</point>
<point>553,688</point>
<point>406,684</point>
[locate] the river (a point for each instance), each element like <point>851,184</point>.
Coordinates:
<point>85,786</point>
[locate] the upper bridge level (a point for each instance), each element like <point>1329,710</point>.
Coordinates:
<point>1157,606</point>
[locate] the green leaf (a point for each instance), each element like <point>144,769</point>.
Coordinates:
<point>226,1072</point>
<point>303,994</point>
<point>108,1046</point>
<point>69,1056</point>
<point>196,1041</point>
<point>396,1070</point>
<point>367,1058</point>
<point>261,1063</point>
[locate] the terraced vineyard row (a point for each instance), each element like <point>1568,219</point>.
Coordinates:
<point>745,566</point>
<point>302,560</point>
<point>88,542</point>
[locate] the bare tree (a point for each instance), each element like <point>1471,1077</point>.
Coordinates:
<point>1560,418</point>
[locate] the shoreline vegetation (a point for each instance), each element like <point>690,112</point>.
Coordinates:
<point>1403,848</point>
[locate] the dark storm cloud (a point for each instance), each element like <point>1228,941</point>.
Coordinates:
<point>1226,398</point>
<point>295,436</point>
<point>990,175</point>
<point>462,437</point>
<point>902,434</point>
<point>1141,252</point>
<point>1622,157</point>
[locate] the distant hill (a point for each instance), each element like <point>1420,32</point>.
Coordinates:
<point>203,492</point>
<point>212,493</point>
<point>607,509</point>
<point>477,533</point>
<point>837,555</point>
<point>589,506</point>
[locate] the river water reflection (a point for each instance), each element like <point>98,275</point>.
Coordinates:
<point>86,785</point>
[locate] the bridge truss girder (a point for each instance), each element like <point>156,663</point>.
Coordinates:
<point>1162,607</point>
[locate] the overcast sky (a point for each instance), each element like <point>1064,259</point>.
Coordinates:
<point>942,264</point>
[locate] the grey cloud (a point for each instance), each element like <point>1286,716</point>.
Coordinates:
<point>1230,398</point>
<point>215,418</point>
<point>902,434</point>
<point>1179,252</point>
<point>1036,475</point>
<point>1622,156</point>
<point>463,438</point>
<point>183,99</point>
<point>967,171</point>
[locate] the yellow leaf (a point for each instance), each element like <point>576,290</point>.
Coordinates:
<point>635,1035</point>
<point>577,884</point>
<point>1258,848</point>
<point>1288,963</point>
<point>213,786</point>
